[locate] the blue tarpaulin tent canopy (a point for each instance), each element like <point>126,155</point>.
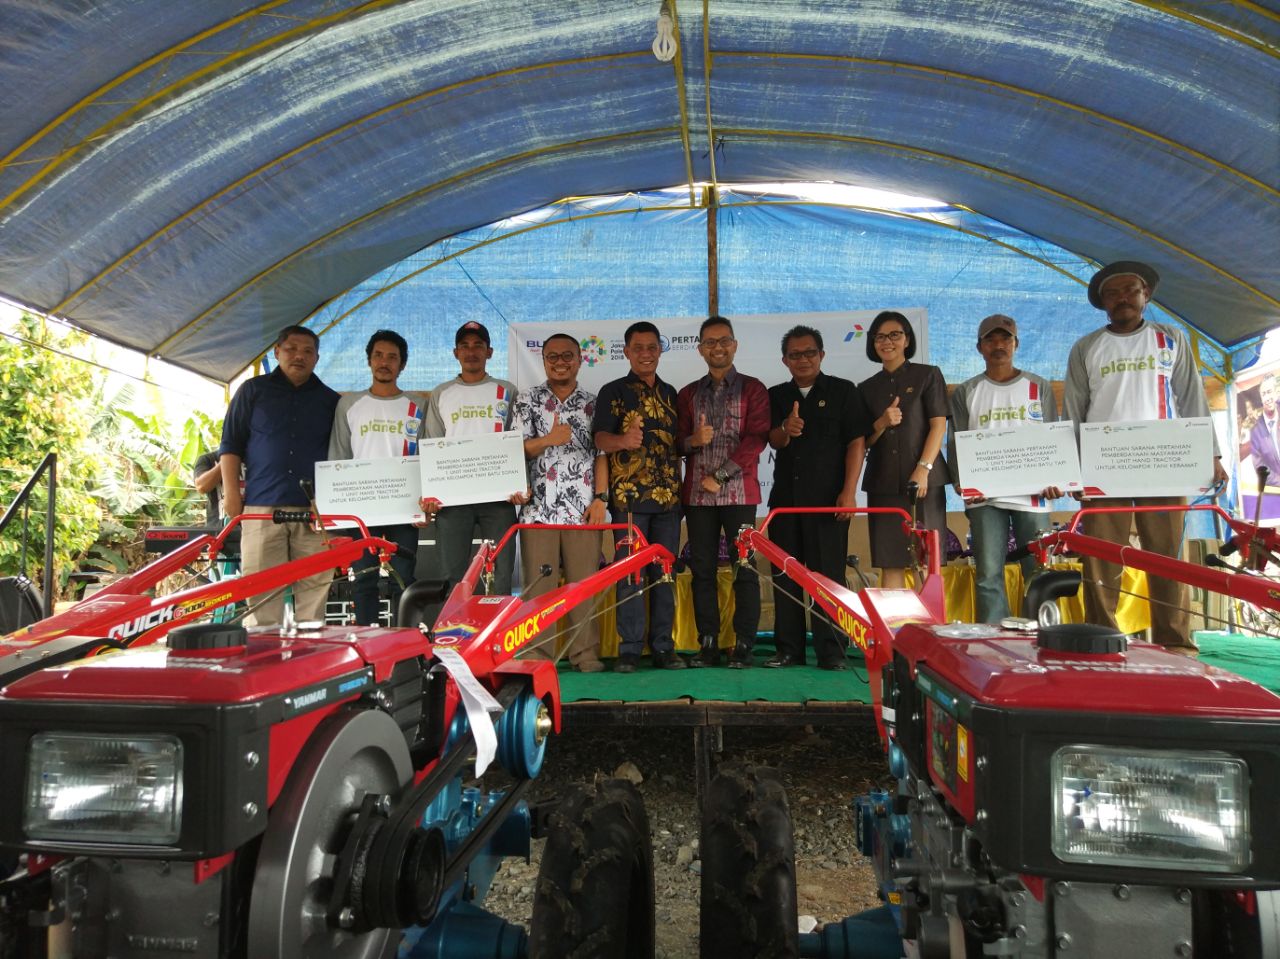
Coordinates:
<point>186,178</point>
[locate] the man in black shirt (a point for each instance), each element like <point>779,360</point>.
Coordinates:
<point>819,429</point>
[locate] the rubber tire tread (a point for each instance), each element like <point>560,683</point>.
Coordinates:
<point>594,895</point>
<point>748,907</point>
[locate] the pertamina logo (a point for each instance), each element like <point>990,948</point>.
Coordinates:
<point>856,333</point>
<point>676,343</point>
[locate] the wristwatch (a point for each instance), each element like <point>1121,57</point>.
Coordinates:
<point>603,497</point>
<point>928,466</point>
<point>721,476</point>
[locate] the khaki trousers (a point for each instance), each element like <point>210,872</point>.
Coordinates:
<point>266,544</point>
<point>573,555</point>
<point>1157,532</point>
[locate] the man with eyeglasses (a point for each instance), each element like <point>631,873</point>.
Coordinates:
<point>1151,374</point>
<point>569,478</point>
<point>635,425</point>
<point>724,425</point>
<point>819,426</point>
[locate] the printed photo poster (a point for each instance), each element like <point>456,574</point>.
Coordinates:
<point>1258,436</point>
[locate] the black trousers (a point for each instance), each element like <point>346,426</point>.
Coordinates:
<point>820,542</point>
<point>705,524</point>
<point>364,592</point>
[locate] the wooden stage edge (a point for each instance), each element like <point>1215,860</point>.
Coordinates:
<point>692,712</point>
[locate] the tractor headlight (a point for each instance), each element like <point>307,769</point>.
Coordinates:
<point>87,788</point>
<point>1158,809</point>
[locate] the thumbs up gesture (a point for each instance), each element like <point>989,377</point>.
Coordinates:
<point>560,433</point>
<point>891,417</point>
<point>703,434</point>
<point>633,435</point>
<point>793,425</point>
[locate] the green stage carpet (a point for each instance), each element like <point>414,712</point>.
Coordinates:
<point>795,684</point>
<point>1254,658</point>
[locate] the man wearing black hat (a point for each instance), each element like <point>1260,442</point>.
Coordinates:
<point>1151,374</point>
<point>472,403</point>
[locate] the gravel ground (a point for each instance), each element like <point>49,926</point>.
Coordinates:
<point>823,768</point>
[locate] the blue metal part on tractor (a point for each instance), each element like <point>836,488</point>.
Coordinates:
<point>462,929</point>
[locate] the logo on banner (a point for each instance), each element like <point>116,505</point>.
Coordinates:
<point>855,334</point>
<point>666,343</point>
<point>594,350</point>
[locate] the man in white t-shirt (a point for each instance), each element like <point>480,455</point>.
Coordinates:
<point>471,403</point>
<point>1133,369</point>
<point>1000,398</point>
<point>381,421</point>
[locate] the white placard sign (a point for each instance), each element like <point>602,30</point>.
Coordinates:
<point>382,492</point>
<point>484,468</point>
<point>1147,458</point>
<point>1018,461</point>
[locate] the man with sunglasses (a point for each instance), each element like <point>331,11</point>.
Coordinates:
<point>819,426</point>
<point>1133,369</point>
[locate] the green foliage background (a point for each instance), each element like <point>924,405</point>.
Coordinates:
<point>121,468</point>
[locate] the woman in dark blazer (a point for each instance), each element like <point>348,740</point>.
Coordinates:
<point>909,403</point>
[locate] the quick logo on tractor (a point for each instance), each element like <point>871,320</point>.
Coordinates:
<point>140,624</point>
<point>520,634</point>
<point>856,629</point>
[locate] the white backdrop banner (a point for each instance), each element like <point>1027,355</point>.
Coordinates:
<point>759,351</point>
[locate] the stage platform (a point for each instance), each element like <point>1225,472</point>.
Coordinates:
<point>708,700</point>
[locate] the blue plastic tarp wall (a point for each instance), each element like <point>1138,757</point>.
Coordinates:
<point>187,178</point>
<point>635,257</point>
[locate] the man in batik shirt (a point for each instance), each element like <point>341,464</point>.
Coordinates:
<point>569,479</point>
<point>635,424</point>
